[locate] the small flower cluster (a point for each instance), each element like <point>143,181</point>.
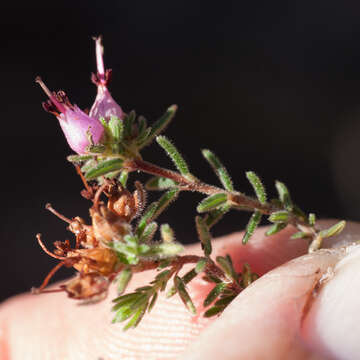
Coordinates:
<point>81,129</point>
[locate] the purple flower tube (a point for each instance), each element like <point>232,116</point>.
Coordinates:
<point>76,125</point>
<point>104,105</point>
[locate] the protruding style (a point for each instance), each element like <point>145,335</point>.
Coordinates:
<point>104,105</point>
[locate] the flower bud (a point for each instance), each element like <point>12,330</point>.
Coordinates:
<point>78,127</point>
<point>104,105</point>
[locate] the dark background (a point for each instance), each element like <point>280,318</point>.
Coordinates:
<point>269,86</point>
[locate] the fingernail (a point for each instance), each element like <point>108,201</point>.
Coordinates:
<point>332,326</point>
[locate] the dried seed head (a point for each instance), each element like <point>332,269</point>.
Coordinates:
<point>108,226</point>
<point>100,260</point>
<point>87,286</point>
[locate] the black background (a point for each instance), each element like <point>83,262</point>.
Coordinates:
<point>269,86</point>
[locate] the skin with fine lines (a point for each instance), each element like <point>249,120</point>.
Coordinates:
<point>270,312</point>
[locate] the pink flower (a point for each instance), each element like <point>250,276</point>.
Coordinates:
<point>76,125</point>
<point>104,105</point>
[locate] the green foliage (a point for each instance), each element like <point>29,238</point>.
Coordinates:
<point>128,124</point>
<point>165,201</point>
<point>146,218</point>
<point>103,168</point>
<point>281,216</point>
<point>160,125</point>
<point>333,230</point>
<point>227,266</point>
<point>247,276</point>
<point>123,178</point>
<point>257,185</point>
<point>300,235</point>
<point>251,226</point>
<point>204,235</point>
<point>219,169</point>
<point>184,295</point>
<point>167,233</point>
<point>212,217</point>
<point>212,202</point>
<point>160,183</point>
<point>135,304</point>
<point>284,195</point>
<point>123,279</point>
<point>79,158</point>
<point>174,155</point>
<point>275,228</point>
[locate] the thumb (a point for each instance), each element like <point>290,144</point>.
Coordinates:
<point>292,313</point>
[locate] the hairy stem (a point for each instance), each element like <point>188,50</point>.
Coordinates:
<point>242,201</point>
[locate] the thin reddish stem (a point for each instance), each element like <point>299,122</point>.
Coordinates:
<point>49,207</point>
<point>38,237</point>
<point>49,276</point>
<point>82,177</point>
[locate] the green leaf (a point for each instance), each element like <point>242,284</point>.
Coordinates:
<point>79,158</point>
<point>146,218</point>
<point>212,217</point>
<point>275,228</point>
<point>300,235</point>
<point>189,276</point>
<point>135,320</point>
<point>123,178</point>
<point>225,301</point>
<point>160,125</point>
<point>312,219</point>
<point>215,310</point>
<point>123,280</point>
<point>184,295</point>
<point>248,276</point>
<point>149,232</point>
<point>143,137</point>
<point>124,300</point>
<point>165,201</point>
<point>279,216</point>
<point>214,293</point>
<point>153,301</point>
<point>164,250</point>
<point>142,125</point>
<point>204,235</point>
<point>167,233</point>
<point>211,202</point>
<point>160,183</point>
<point>89,164</point>
<point>251,226</point>
<point>333,230</point>
<point>128,124</point>
<point>200,265</point>
<point>228,268</point>
<point>123,313</point>
<point>284,195</point>
<point>96,149</point>
<point>103,168</point>
<point>174,155</point>
<point>116,127</point>
<point>258,186</point>
<point>299,213</point>
<point>219,169</point>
